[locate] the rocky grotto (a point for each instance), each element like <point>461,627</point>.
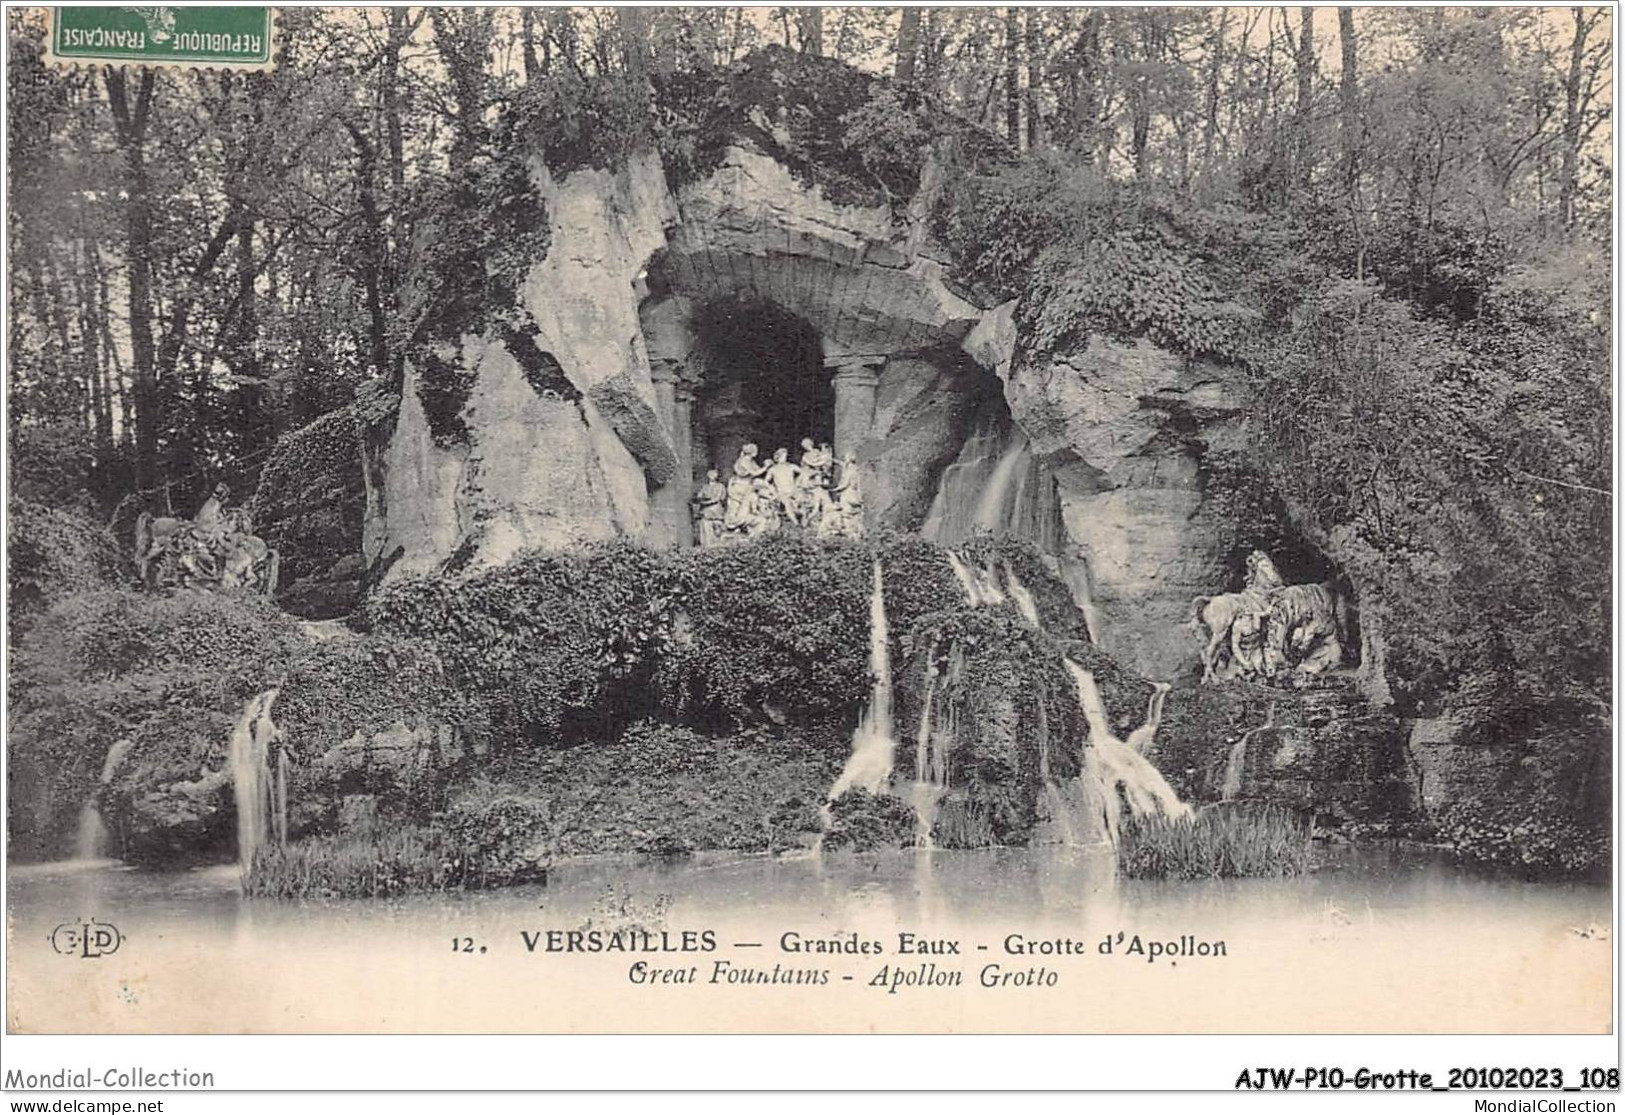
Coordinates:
<point>496,635</point>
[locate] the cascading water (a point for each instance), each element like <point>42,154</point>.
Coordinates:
<point>995,486</point>
<point>261,794</point>
<point>1141,738</point>
<point>930,765</point>
<point>1235,765</point>
<point>873,744</point>
<point>987,587</point>
<point>1025,604</point>
<point>90,841</point>
<point>994,503</point>
<point>1124,776</point>
<point>951,517</point>
<point>967,580</point>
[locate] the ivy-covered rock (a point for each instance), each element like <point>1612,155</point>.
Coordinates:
<point>865,822</point>
<point>309,507</point>
<point>1324,750</point>
<point>774,630</point>
<point>862,139</point>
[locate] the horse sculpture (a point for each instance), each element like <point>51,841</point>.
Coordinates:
<point>216,550</point>
<point>1270,629</point>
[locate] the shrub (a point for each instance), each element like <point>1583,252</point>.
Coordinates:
<point>1216,843</point>
<point>863,822</point>
<point>775,629</point>
<point>52,554</point>
<point>1526,842</point>
<point>918,582</point>
<point>309,506</point>
<point>502,839</point>
<point>376,716</point>
<point>560,646</point>
<point>663,788</point>
<point>170,673</point>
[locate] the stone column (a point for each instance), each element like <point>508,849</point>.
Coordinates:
<point>855,379</point>
<point>669,521</point>
<point>682,437</point>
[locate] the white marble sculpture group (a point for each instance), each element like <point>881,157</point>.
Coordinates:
<point>819,495</point>
<point>217,549</point>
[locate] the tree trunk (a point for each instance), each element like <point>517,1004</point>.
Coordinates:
<point>908,44</point>
<point>1210,108</point>
<point>1306,92</point>
<point>527,41</point>
<point>1035,76</point>
<point>1012,77</point>
<point>810,23</point>
<point>1349,100</point>
<point>1569,172</point>
<point>634,23</point>
<point>130,125</point>
<point>1139,98</point>
<point>1086,109</point>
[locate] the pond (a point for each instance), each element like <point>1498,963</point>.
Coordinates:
<point>1374,942</point>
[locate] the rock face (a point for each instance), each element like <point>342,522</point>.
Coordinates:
<point>902,371</point>
<point>544,465</point>
<point>1124,426</point>
<point>1324,750</point>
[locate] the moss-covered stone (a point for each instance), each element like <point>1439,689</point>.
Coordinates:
<point>309,507</point>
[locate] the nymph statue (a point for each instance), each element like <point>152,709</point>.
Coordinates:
<point>710,507</point>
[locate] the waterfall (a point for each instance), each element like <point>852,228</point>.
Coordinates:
<point>994,504</point>
<point>982,588</point>
<point>987,585</point>
<point>1124,775</point>
<point>1141,738</point>
<point>967,579</point>
<point>870,764</point>
<point>261,795</point>
<point>90,841</point>
<point>995,486</point>
<point>1235,766</point>
<point>952,515</point>
<point>1023,598</point>
<point>930,764</point>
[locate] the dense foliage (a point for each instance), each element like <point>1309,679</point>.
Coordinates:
<point>309,507</point>
<point>53,554</point>
<point>170,674</point>
<point>861,141</point>
<point>574,646</point>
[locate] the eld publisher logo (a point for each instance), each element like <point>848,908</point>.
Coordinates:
<point>87,940</point>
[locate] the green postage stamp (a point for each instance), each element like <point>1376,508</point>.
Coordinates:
<point>226,37</point>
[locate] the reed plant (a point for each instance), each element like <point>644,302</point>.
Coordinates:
<point>1220,842</point>
<point>369,864</point>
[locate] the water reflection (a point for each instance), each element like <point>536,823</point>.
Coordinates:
<point>1373,941</point>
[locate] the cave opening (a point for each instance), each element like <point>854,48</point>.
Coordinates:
<point>764,382</point>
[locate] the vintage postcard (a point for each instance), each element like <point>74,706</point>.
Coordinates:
<point>811,520</point>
